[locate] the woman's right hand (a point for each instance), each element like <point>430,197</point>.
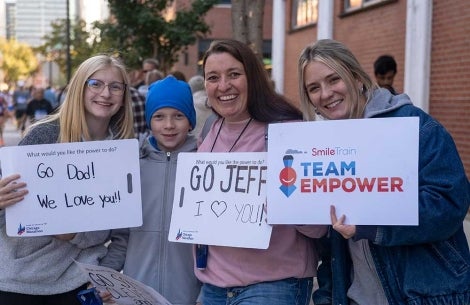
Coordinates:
<point>11,190</point>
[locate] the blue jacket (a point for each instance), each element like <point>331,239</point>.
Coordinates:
<point>416,265</point>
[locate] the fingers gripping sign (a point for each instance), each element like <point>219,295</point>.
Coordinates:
<point>11,191</point>
<point>347,231</point>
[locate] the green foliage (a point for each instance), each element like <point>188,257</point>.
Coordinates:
<point>55,46</point>
<point>17,60</point>
<point>138,30</point>
<point>141,29</point>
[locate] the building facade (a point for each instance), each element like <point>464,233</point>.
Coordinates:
<point>33,19</point>
<point>429,39</point>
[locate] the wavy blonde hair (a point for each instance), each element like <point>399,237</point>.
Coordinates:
<point>340,59</point>
<point>71,114</point>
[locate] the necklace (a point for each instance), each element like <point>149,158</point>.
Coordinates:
<point>236,140</point>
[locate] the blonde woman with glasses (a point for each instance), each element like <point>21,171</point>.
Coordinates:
<point>41,270</point>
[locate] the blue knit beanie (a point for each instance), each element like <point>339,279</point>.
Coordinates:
<point>170,92</point>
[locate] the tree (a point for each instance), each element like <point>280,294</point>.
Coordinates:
<point>55,46</point>
<point>247,23</point>
<point>18,62</point>
<point>143,29</point>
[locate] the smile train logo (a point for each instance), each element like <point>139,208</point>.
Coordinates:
<point>287,176</point>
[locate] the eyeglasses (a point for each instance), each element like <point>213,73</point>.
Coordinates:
<point>97,86</point>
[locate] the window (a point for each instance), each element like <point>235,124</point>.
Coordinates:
<point>352,5</point>
<point>304,12</point>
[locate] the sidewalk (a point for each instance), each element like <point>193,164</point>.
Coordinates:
<point>11,136</point>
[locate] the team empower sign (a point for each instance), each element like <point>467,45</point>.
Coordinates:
<point>74,187</point>
<point>366,168</point>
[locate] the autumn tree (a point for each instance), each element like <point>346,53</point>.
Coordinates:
<point>153,28</point>
<point>247,23</point>
<point>18,60</point>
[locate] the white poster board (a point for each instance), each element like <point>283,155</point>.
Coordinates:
<point>366,168</point>
<point>124,289</point>
<point>219,200</point>
<point>74,187</point>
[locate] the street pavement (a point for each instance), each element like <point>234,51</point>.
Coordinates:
<point>11,136</point>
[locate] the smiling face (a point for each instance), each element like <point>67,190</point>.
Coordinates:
<point>170,128</point>
<point>227,86</point>
<point>100,107</point>
<point>327,92</point>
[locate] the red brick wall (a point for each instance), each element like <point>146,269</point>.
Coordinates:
<point>296,40</point>
<point>373,32</point>
<point>368,33</point>
<point>450,72</point>
<point>219,20</point>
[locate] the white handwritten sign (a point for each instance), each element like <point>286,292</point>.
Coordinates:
<point>366,168</point>
<point>220,200</point>
<point>123,289</point>
<point>74,187</point>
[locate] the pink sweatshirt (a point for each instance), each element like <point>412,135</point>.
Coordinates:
<point>291,253</point>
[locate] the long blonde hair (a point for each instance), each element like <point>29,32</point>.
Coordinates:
<point>71,114</point>
<point>340,59</point>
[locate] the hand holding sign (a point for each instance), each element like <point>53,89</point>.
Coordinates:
<point>73,187</point>
<point>12,190</point>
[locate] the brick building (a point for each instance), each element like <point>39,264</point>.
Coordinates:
<point>219,21</point>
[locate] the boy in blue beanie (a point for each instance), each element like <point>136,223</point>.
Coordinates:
<point>169,113</point>
<point>145,253</point>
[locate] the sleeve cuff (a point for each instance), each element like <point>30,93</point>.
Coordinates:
<point>365,232</point>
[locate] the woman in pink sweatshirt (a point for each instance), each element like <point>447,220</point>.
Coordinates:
<point>244,99</point>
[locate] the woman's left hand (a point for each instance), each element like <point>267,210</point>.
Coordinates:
<point>347,231</point>
<point>11,190</point>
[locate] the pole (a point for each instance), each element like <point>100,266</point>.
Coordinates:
<point>69,64</point>
<point>50,73</point>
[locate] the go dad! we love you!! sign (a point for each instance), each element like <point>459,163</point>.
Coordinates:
<point>74,187</point>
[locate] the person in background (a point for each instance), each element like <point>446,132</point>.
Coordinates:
<point>385,69</point>
<point>138,109</point>
<point>148,65</point>
<point>395,265</point>
<point>61,95</point>
<point>240,92</point>
<point>21,96</point>
<point>38,107</point>
<point>4,114</point>
<point>138,103</point>
<point>41,270</point>
<point>179,75</point>
<point>150,77</point>
<point>50,95</point>
<point>165,266</point>
<point>203,108</point>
